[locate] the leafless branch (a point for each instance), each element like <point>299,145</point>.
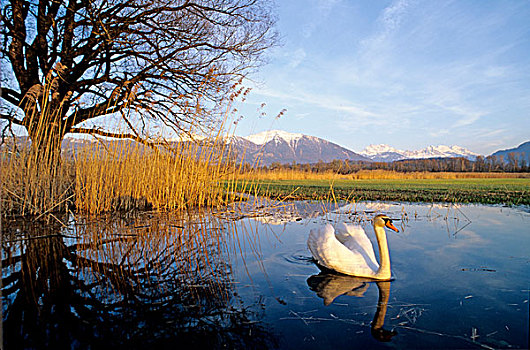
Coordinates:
<point>164,60</point>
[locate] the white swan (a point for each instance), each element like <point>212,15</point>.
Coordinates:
<point>349,251</point>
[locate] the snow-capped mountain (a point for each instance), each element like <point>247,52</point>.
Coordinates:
<point>382,153</point>
<point>385,153</point>
<point>267,136</point>
<point>284,147</point>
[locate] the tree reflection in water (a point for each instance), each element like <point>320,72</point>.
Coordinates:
<point>135,281</point>
<point>329,285</point>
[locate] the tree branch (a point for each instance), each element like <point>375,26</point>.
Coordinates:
<point>10,95</point>
<point>94,131</point>
<point>11,119</point>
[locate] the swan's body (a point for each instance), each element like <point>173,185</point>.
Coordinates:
<point>349,251</point>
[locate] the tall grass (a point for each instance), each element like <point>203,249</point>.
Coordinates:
<point>34,180</point>
<point>115,175</point>
<point>126,175</point>
<point>110,176</point>
<point>32,183</point>
<point>38,179</point>
<point>282,174</point>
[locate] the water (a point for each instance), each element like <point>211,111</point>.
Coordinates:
<point>460,280</point>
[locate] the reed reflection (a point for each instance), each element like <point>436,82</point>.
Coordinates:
<point>133,281</point>
<point>330,285</point>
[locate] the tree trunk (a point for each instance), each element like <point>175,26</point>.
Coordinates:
<point>46,180</point>
<point>46,132</point>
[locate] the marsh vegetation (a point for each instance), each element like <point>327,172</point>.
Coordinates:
<point>511,191</point>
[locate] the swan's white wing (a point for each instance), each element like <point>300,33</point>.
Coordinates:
<point>341,233</point>
<point>355,239</point>
<point>331,253</point>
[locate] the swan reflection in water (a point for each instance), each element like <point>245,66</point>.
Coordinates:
<point>330,285</point>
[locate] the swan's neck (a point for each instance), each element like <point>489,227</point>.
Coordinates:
<point>384,256</point>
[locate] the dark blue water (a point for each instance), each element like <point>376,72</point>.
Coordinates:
<point>461,279</point>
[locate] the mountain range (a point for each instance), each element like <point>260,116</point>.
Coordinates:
<point>279,146</point>
<point>385,153</point>
<point>284,147</point>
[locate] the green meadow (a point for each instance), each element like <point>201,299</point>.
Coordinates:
<point>515,191</point>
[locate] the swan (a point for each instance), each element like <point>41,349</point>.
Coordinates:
<point>349,251</point>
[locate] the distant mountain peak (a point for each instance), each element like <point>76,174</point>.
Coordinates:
<point>385,153</point>
<point>521,152</point>
<point>267,136</point>
<point>377,149</point>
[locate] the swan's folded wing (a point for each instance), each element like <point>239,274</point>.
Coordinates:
<point>331,253</point>
<point>355,239</point>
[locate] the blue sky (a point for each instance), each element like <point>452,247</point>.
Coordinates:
<point>404,73</point>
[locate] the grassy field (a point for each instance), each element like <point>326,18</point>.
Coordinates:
<point>513,191</point>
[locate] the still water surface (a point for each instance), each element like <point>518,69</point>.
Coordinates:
<point>460,280</point>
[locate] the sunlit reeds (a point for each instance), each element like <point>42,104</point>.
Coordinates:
<point>111,176</point>
<point>126,175</point>
<point>40,178</point>
<point>294,174</point>
<point>34,183</point>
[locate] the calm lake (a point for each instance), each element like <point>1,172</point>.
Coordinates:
<point>245,279</point>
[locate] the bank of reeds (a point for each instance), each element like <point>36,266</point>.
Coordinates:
<point>115,175</point>
<point>33,179</point>
<point>38,177</point>
<point>282,174</point>
<point>126,175</point>
<point>32,183</point>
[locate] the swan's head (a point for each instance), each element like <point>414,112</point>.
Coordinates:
<point>382,220</point>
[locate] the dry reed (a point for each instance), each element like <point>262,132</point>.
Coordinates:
<point>34,183</point>
<point>126,175</point>
<point>111,176</point>
<point>34,180</point>
<point>282,174</point>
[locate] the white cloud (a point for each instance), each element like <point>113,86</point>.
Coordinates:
<point>301,115</point>
<point>323,10</point>
<point>390,20</point>
<point>297,57</point>
<point>332,103</point>
<point>393,14</point>
<point>438,132</point>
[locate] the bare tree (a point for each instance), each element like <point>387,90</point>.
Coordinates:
<point>67,62</point>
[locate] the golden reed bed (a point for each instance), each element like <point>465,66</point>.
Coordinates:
<point>371,175</point>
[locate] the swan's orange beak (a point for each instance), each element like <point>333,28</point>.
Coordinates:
<point>391,226</point>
